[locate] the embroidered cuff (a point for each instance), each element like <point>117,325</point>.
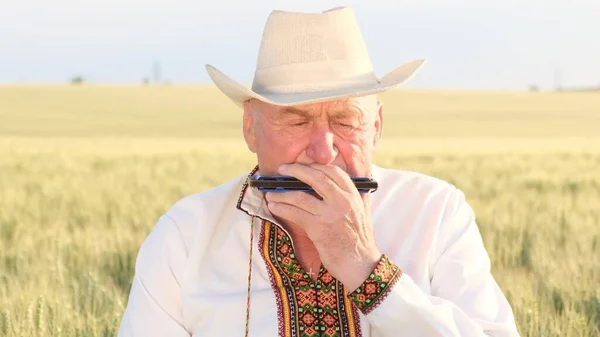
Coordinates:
<point>377,286</point>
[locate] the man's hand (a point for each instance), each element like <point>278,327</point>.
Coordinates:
<point>339,225</point>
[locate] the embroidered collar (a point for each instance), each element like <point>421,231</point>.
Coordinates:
<point>251,201</point>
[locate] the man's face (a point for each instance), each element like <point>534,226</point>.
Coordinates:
<point>340,133</point>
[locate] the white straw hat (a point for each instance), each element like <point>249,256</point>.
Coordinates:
<point>312,57</point>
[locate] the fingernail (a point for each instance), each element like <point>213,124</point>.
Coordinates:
<point>282,168</point>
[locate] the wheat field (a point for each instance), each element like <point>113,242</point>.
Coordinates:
<point>86,171</point>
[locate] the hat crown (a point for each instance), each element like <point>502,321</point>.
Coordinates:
<point>311,52</point>
<point>292,37</point>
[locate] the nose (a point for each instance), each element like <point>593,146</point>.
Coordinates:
<point>321,148</point>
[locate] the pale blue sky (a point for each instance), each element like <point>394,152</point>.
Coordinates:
<point>468,44</point>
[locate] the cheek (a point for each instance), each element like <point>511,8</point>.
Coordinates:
<point>277,144</point>
<point>356,153</point>
<point>356,144</point>
<point>275,138</point>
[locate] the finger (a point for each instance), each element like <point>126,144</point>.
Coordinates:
<point>292,213</point>
<point>317,179</point>
<point>338,175</point>
<point>299,199</point>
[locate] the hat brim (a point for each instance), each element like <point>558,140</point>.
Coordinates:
<point>239,93</point>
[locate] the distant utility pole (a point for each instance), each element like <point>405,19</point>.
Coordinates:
<point>156,72</point>
<point>557,80</point>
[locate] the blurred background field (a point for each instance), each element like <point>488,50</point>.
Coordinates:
<point>85,171</point>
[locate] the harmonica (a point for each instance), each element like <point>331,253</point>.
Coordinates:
<point>289,183</point>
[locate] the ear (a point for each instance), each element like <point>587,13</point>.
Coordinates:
<point>378,124</point>
<point>248,126</point>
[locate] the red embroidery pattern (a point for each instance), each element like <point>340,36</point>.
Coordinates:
<point>305,308</point>
<point>377,286</point>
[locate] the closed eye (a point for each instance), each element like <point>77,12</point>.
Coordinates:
<point>345,125</point>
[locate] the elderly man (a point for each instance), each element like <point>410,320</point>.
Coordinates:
<point>405,260</point>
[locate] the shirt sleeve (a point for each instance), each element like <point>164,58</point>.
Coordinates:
<point>154,305</point>
<point>465,299</point>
